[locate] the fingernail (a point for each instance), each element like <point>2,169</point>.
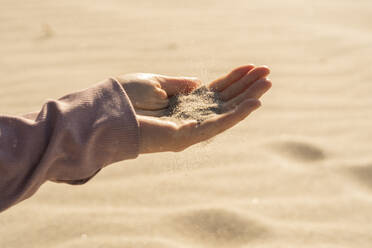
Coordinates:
<point>257,104</point>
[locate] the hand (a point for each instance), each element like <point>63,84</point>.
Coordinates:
<point>239,90</point>
<point>149,93</point>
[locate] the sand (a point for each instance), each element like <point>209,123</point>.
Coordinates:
<point>201,104</point>
<point>296,173</point>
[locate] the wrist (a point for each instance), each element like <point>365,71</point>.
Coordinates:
<point>155,135</point>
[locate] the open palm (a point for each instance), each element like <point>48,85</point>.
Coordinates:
<point>239,90</point>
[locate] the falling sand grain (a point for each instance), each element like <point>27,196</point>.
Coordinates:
<point>201,104</point>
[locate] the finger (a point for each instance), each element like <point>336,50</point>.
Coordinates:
<point>225,81</point>
<point>153,113</point>
<point>177,85</point>
<point>242,84</point>
<point>160,92</point>
<point>255,91</point>
<point>209,128</point>
<point>158,101</point>
<point>155,99</point>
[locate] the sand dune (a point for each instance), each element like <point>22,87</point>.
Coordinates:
<point>297,173</point>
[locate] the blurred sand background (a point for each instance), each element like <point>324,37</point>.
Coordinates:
<point>296,173</point>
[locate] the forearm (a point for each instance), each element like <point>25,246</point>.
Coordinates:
<point>69,140</point>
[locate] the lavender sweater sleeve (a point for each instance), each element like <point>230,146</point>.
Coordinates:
<point>69,140</point>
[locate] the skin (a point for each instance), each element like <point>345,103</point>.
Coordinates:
<point>239,90</point>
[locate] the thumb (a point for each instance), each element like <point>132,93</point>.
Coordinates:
<point>177,85</point>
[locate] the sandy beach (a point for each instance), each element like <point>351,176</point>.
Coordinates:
<point>296,173</point>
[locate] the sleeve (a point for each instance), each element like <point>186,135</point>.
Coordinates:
<point>69,140</point>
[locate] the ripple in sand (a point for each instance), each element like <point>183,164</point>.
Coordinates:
<point>299,150</point>
<point>117,242</point>
<point>217,227</point>
<point>363,175</point>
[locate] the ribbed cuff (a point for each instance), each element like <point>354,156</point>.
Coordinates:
<point>124,132</point>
